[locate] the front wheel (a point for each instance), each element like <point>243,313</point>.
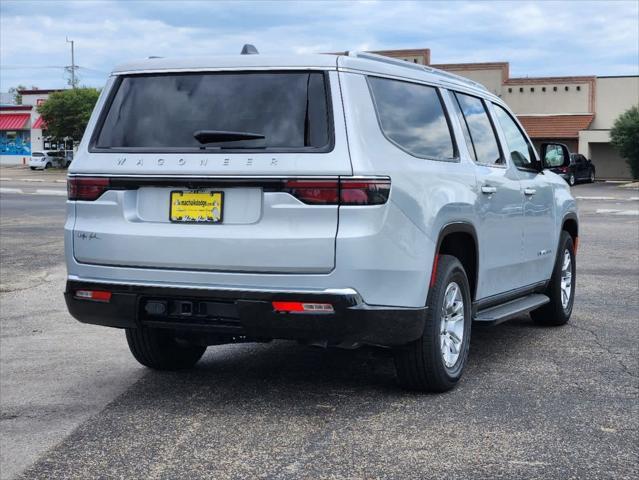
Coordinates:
<point>435,361</point>
<point>572,180</point>
<point>159,349</point>
<point>592,176</point>
<point>561,289</point>
<point>48,165</point>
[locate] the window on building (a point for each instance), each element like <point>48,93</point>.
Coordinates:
<point>578,88</point>
<point>412,117</point>
<point>543,89</point>
<point>520,150</point>
<point>481,129</point>
<point>554,89</point>
<point>566,88</point>
<point>532,89</point>
<point>510,90</point>
<point>521,89</point>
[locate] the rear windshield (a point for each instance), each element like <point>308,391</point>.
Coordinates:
<point>37,154</point>
<point>280,111</point>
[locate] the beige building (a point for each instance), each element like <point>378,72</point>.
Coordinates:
<point>578,111</point>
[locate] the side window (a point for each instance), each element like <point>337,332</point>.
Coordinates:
<point>412,116</point>
<point>481,130</point>
<point>464,126</point>
<point>518,146</point>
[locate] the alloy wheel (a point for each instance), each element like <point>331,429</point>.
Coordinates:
<point>452,325</point>
<point>566,279</point>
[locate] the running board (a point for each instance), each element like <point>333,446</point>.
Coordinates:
<point>511,309</point>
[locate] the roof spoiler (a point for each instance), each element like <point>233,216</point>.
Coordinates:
<point>249,49</point>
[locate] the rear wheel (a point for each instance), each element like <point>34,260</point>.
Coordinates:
<point>572,180</point>
<point>435,362</point>
<point>160,350</point>
<point>592,176</point>
<point>32,168</point>
<point>48,165</point>
<point>561,289</point>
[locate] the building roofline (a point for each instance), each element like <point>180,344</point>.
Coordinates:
<point>40,91</point>
<point>16,107</point>
<point>537,80</point>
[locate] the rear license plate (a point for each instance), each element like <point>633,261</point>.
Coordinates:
<point>196,206</point>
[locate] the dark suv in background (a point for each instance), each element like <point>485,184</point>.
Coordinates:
<point>580,169</point>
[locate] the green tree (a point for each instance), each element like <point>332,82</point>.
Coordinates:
<point>15,93</point>
<point>624,137</point>
<point>67,113</point>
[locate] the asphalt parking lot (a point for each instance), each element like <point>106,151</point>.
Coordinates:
<point>534,402</point>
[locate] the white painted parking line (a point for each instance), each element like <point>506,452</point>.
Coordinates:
<point>33,180</point>
<point>613,211</point>
<point>10,190</point>
<point>60,181</point>
<point>51,192</point>
<point>598,198</point>
<point>4,179</point>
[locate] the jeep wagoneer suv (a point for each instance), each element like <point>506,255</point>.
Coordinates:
<point>337,200</point>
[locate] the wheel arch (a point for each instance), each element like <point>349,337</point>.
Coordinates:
<point>570,224</point>
<point>453,240</point>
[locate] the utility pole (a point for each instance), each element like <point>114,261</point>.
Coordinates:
<point>72,67</point>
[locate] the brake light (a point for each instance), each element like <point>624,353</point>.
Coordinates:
<point>302,307</point>
<point>86,188</point>
<point>564,169</point>
<point>362,191</point>
<point>314,192</point>
<point>95,295</point>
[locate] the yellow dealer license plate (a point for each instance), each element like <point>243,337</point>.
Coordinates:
<point>196,206</point>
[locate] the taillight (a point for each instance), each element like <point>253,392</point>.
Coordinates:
<point>95,295</point>
<point>360,191</point>
<point>86,188</point>
<point>314,192</point>
<point>364,192</point>
<point>564,169</point>
<point>302,307</point>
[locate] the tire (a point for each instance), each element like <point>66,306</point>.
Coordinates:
<point>32,168</point>
<point>160,350</point>
<point>572,180</point>
<point>592,177</point>
<point>420,365</point>
<point>48,165</point>
<point>557,312</point>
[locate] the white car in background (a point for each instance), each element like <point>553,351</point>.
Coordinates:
<point>48,159</point>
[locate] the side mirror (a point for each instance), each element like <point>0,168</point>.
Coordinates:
<point>554,155</point>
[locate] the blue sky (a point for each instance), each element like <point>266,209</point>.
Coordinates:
<point>537,38</point>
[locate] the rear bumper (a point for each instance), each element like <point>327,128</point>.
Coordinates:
<point>237,313</point>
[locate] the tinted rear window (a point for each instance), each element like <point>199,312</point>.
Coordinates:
<point>162,112</point>
<point>411,116</point>
<point>37,154</point>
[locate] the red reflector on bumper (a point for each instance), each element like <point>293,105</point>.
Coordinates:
<point>95,295</point>
<point>303,307</point>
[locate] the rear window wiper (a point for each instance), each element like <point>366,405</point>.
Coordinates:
<point>215,136</point>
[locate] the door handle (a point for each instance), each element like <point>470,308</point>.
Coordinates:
<point>529,191</point>
<point>487,189</point>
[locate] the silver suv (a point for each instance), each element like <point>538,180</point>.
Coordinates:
<point>334,200</point>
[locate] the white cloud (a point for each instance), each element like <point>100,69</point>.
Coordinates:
<point>538,38</point>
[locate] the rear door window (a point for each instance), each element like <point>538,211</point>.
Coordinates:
<point>266,111</point>
<point>481,130</point>
<point>412,117</point>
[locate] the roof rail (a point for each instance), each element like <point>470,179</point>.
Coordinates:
<point>415,66</point>
<point>454,76</point>
<point>383,59</point>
